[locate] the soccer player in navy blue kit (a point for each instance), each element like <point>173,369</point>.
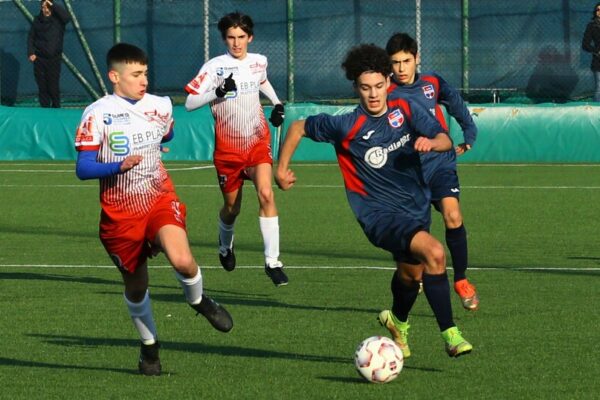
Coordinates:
<point>378,147</point>
<point>431,91</point>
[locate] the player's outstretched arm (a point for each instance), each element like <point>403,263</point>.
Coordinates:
<point>285,177</point>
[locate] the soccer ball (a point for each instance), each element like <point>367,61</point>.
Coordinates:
<point>378,359</point>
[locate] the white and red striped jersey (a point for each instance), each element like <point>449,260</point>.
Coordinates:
<point>116,129</point>
<point>239,118</point>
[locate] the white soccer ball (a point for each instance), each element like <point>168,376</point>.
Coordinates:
<point>378,359</point>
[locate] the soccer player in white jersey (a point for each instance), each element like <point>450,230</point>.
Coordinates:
<point>119,143</point>
<point>231,84</point>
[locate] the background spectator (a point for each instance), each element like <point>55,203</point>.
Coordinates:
<point>44,47</point>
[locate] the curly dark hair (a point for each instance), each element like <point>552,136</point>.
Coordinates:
<point>366,58</point>
<point>236,20</point>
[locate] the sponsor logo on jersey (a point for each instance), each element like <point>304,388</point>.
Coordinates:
<point>197,81</point>
<point>396,118</point>
<point>455,190</point>
<point>429,91</point>
<point>368,134</point>
<point>120,119</point>
<point>221,71</point>
<point>84,133</point>
<point>118,143</point>
<point>377,156</point>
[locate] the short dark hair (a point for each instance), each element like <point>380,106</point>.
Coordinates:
<point>236,20</point>
<point>402,42</point>
<point>366,58</point>
<point>125,53</point>
<point>595,8</point>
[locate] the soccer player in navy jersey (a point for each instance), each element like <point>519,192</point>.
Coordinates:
<point>378,146</point>
<point>439,169</point>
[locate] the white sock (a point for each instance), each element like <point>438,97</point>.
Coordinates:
<point>225,236</point>
<point>269,226</point>
<point>192,287</point>
<point>141,315</point>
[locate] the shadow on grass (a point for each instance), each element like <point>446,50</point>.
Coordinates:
<point>37,364</point>
<point>26,276</point>
<point>200,348</point>
<point>229,351</point>
<point>329,253</point>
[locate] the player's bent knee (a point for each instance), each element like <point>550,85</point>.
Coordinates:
<point>453,219</point>
<point>266,196</point>
<point>437,260</point>
<point>184,264</point>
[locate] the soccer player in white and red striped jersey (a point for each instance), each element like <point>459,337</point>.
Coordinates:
<point>119,143</point>
<point>231,84</point>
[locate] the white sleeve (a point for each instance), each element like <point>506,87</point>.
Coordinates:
<point>267,90</point>
<point>201,89</point>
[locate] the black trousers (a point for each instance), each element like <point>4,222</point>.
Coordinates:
<point>47,77</point>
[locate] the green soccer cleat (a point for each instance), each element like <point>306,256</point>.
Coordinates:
<point>398,329</point>
<point>456,345</point>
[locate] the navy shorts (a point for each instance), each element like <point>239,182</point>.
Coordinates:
<point>444,183</point>
<point>394,232</point>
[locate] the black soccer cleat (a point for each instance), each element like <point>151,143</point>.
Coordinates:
<point>216,314</point>
<point>149,363</point>
<point>227,260</point>
<point>276,274</point>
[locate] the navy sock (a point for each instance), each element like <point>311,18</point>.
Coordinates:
<point>437,291</point>
<point>456,239</point>
<point>404,297</point>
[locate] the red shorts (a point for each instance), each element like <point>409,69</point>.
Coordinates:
<point>129,241</point>
<point>231,171</point>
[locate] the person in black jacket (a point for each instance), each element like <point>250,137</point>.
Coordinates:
<point>44,47</point>
<point>591,44</point>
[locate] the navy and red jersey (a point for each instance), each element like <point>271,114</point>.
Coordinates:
<point>430,90</point>
<point>381,169</point>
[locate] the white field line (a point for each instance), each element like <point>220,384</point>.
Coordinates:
<point>366,267</point>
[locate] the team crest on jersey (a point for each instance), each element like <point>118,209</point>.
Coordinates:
<point>257,67</point>
<point>429,91</point>
<point>155,116</point>
<point>396,118</point>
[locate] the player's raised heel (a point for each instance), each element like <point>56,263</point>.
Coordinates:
<point>399,331</point>
<point>456,345</point>
<point>468,294</point>
<point>216,314</point>
<point>149,363</point>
